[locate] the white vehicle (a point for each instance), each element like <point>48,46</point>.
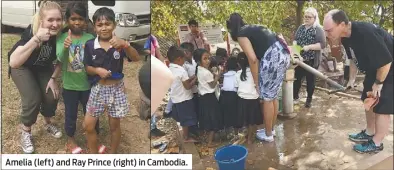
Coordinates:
<point>133,17</point>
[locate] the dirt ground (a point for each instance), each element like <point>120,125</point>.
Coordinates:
<point>134,137</point>
<point>317,138</point>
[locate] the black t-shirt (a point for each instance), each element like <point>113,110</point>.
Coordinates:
<point>372,46</point>
<point>41,58</point>
<point>260,37</point>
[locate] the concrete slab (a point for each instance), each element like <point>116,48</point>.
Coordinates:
<point>380,161</point>
<point>387,164</point>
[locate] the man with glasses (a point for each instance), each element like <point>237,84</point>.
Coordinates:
<point>373,49</point>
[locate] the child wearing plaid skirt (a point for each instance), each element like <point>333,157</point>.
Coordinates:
<point>104,64</point>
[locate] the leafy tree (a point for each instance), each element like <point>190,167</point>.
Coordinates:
<point>167,15</point>
<point>280,16</point>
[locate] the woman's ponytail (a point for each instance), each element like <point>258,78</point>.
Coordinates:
<point>36,23</point>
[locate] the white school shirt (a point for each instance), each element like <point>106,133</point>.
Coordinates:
<point>191,71</point>
<point>246,89</point>
<point>204,77</point>
<point>229,81</point>
<point>179,93</point>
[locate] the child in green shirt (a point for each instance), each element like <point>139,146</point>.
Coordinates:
<point>70,52</point>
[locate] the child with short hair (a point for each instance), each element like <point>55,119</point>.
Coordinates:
<point>183,109</point>
<point>104,64</point>
<point>209,113</point>
<point>190,67</point>
<point>221,60</point>
<point>249,112</point>
<point>70,54</point>
<point>221,56</point>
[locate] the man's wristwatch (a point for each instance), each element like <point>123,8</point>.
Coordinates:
<point>378,82</point>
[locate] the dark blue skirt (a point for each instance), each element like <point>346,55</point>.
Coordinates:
<point>249,112</point>
<point>228,104</point>
<point>185,113</point>
<point>209,113</point>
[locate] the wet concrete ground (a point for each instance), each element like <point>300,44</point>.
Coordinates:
<point>316,139</point>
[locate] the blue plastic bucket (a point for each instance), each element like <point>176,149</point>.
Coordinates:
<point>231,157</point>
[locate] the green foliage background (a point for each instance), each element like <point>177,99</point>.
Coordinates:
<point>280,16</point>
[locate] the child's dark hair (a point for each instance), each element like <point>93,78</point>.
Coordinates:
<point>214,61</point>
<point>188,46</point>
<point>174,52</point>
<point>197,56</point>
<point>221,52</point>
<point>75,7</point>
<point>192,22</point>
<point>244,63</point>
<point>104,13</point>
<point>232,64</point>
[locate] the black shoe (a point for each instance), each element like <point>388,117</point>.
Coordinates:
<point>308,103</point>
<point>157,133</point>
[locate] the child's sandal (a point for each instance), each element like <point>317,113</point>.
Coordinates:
<point>75,150</point>
<point>102,149</point>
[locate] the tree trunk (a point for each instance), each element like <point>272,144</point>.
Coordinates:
<point>382,16</point>
<point>300,5</point>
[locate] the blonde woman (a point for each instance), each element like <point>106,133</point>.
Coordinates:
<point>310,36</point>
<point>31,68</point>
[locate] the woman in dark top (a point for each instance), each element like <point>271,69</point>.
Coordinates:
<point>310,36</point>
<point>269,58</point>
<point>31,68</point>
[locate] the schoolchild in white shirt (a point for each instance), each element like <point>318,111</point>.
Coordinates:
<point>209,113</point>
<point>228,95</point>
<point>249,112</point>
<point>183,109</point>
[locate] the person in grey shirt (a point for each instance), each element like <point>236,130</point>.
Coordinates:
<point>310,36</point>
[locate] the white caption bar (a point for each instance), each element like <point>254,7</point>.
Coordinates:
<point>96,161</point>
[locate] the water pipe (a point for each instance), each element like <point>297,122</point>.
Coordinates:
<point>287,87</point>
